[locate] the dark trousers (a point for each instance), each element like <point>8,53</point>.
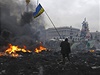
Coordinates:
<point>65,55</point>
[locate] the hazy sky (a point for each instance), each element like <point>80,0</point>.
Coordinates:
<point>72,12</point>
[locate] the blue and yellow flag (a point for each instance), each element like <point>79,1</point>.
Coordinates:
<point>39,11</point>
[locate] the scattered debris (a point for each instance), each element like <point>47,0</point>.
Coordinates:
<point>49,63</point>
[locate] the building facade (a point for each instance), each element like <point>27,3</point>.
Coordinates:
<point>95,35</point>
<point>62,33</point>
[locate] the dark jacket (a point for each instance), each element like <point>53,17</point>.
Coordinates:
<point>65,47</point>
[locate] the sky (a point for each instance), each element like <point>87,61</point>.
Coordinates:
<point>72,13</point>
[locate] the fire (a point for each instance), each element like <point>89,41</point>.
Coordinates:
<point>12,50</point>
<point>40,49</point>
<point>92,51</point>
<point>2,53</point>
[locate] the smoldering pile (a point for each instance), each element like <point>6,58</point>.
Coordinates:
<point>49,63</point>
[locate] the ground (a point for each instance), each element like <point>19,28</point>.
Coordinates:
<point>49,63</point>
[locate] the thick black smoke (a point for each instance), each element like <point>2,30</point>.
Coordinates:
<point>19,24</point>
<point>8,16</point>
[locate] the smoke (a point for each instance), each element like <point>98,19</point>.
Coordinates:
<point>18,22</point>
<point>9,16</point>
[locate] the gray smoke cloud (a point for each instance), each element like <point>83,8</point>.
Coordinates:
<point>20,24</point>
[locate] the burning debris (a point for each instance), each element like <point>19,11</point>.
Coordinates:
<point>2,54</point>
<point>12,50</point>
<point>40,49</point>
<point>49,63</point>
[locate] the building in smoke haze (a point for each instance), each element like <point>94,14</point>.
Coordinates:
<point>95,35</point>
<point>65,32</point>
<point>73,34</point>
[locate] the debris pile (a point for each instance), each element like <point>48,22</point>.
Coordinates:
<point>49,63</point>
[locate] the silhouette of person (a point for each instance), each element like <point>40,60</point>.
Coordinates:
<point>65,49</point>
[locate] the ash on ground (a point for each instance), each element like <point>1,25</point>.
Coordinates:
<point>49,63</point>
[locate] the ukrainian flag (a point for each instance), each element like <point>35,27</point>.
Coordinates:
<point>39,11</point>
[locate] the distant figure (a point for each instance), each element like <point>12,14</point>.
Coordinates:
<point>65,49</point>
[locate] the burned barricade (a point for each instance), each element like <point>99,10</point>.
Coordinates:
<point>46,62</point>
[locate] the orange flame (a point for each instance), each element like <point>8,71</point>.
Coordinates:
<point>2,53</point>
<point>92,51</point>
<point>40,49</point>
<point>13,49</point>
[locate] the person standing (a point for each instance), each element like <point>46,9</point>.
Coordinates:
<point>65,49</point>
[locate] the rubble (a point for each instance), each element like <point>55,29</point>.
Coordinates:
<point>49,63</point>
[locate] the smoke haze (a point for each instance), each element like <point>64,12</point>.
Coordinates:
<point>20,24</point>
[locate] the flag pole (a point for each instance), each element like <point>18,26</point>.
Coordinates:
<point>51,21</point>
<point>37,2</point>
<point>26,7</point>
<point>53,24</point>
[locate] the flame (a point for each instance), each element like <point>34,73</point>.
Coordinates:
<point>92,51</point>
<point>12,50</point>
<point>40,49</point>
<point>2,53</point>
